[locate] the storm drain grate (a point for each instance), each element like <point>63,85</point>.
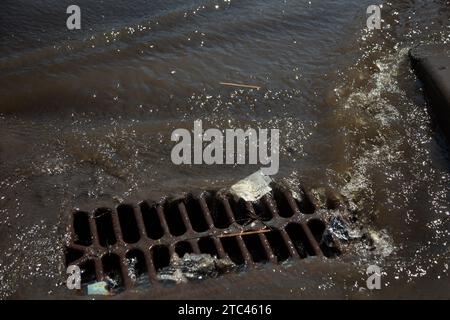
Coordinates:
<point>277,227</point>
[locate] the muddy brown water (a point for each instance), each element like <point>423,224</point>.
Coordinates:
<point>86,118</point>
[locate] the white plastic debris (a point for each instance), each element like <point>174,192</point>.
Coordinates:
<point>253,187</point>
<point>98,288</point>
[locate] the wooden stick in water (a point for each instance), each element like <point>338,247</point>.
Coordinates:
<point>243,233</point>
<point>240,85</point>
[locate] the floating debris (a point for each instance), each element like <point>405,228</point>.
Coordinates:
<point>253,187</point>
<point>341,229</point>
<point>100,288</point>
<point>194,267</point>
<point>240,85</point>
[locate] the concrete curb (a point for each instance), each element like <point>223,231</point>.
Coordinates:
<point>431,63</point>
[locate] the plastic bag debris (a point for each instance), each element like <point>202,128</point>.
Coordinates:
<point>100,288</point>
<point>339,228</point>
<point>342,230</point>
<point>253,187</point>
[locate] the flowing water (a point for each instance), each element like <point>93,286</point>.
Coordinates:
<point>86,118</point>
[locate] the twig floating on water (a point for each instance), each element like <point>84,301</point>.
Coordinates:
<point>240,85</point>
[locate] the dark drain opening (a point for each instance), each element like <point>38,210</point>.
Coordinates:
<point>161,256</point>
<point>255,247</point>
<point>305,204</point>
<point>195,213</point>
<point>136,263</point>
<point>174,219</point>
<point>112,270</point>
<point>87,270</point>
<point>300,240</point>
<point>218,212</point>
<point>317,228</point>
<point>330,251</point>
<point>284,209</point>
<point>128,223</point>
<point>105,229</point>
<point>231,247</point>
<point>153,226</point>
<point>262,211</point>
<point>81,228</point>
<point>278,245</point>
<point>207,245</point>
<point>183,247</point>
<point>240,210</point>
<point>327,245</point>
<point>72,255</point>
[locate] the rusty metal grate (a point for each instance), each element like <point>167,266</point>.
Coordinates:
<point>273,229</point>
